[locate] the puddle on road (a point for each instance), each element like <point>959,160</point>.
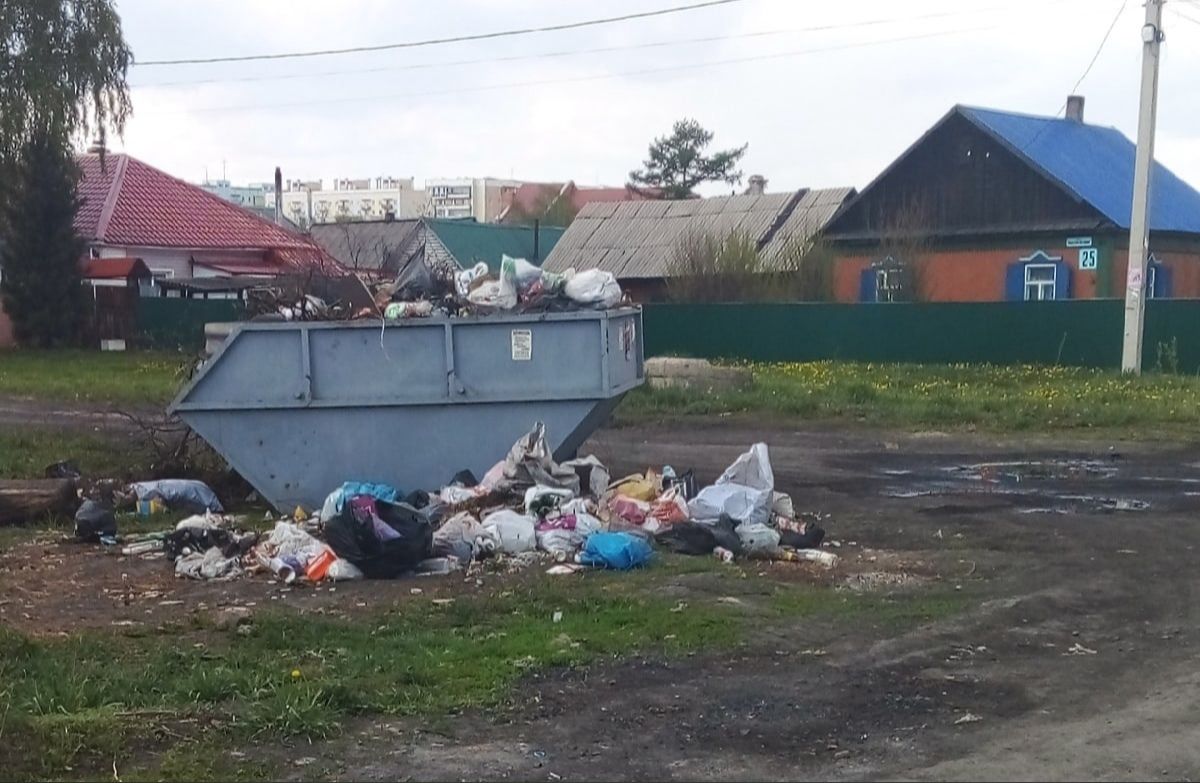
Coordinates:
<point>1034,470</point>
<point>1025,483</point>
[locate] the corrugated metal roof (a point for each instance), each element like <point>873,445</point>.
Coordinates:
<point>1093,162</point>
<point>371,246</point>
<point>637,239</point>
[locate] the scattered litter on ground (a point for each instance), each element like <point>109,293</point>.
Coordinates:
<point>1079,649</point>
<point>968,717</point>
<point>527,510</point>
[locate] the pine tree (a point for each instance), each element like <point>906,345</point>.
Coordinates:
<point>41,287</point>
<point>678,163</point>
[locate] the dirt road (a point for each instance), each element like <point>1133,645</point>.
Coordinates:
<point>1078,659</point>
<point>1074,658</point>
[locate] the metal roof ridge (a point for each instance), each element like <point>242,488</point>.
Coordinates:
<point>111,197</point>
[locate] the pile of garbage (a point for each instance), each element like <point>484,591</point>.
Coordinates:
<point>526,508</point>
<point>420,292</point>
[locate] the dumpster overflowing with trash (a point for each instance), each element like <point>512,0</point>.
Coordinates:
<point>526,508</point>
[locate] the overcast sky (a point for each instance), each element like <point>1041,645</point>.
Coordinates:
<point>817,107</point>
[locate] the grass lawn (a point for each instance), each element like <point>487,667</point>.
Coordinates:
<point>100,378</point>
<point>79,702</point>
<point>1019,398</point>
<point>26,451</point>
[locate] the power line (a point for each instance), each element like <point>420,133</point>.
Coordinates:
<point>597,50</point>
<point>595,77</point>
<point>1182,15</point>
<point>1029,144</point>
<point>1099,48</point>
<point>437,41</point>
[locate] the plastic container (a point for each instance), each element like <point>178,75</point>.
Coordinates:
<point>150,507</point>
<point>319,565</point>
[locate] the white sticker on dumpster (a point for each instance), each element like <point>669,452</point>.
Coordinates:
<point>522,345</point>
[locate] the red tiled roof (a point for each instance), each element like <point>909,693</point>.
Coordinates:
<point>114,268</point>
<point>128,202</point>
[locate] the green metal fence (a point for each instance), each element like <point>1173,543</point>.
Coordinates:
<point>179,323</point>
<point>1082,332</point>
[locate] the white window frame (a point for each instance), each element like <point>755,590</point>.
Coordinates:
<point>1041,286</point>
<point>889,283</point>
<point>160,273</point>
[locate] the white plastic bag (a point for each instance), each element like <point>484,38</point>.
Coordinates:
<point>781,504</point>
<point>522,272</point>
<point>540,495</point>
<point>463,279</point>
<point>593,476</point>
<point>464,535</point>
<point>497,294</point>
<point>514,532</point>
<point>757,537</point>
<point>593,287</point>
<point>744,491</point>
<point>342,570</point>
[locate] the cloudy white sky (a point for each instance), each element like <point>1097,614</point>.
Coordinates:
<point>818,107</point>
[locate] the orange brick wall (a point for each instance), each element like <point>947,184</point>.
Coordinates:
<point>1184,266</point>
<point>978,275</point>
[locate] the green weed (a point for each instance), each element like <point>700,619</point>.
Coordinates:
<point>135,378</point>
<point>1016,398</point>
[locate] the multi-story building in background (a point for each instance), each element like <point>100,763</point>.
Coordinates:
<point>252,195</point>
<point>308,201</point>
<point>482,198</point>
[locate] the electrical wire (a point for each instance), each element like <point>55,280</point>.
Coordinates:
<point>1029,144</point>
<point>1182,15</point>
<point>576,79</point>
<point>438,41</point>
<point>597,50</point>
<point>1099,49</point>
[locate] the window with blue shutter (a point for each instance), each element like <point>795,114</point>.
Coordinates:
<point>1158,279</point>
<point>1014,282</point>
<point>1037,278</point>
<point>866,285</point>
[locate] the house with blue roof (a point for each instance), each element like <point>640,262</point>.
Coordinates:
<point>991,205</point>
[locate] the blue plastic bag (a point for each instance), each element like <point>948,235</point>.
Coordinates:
<point>619,551</point>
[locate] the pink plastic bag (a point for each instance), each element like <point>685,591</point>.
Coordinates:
<point>628,509</point>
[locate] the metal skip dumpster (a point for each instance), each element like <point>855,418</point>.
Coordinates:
<point>297,408</point>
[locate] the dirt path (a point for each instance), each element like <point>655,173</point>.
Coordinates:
<point>29,412</point>
<point>1077,660</point>
<point>1075,657</point>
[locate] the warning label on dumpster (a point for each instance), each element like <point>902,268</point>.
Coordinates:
<point>522,345</point>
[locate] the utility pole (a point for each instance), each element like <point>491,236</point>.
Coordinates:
<point>1139,225</point>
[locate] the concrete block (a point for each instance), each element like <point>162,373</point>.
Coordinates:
<point>663,372</point>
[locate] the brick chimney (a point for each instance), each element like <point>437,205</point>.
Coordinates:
<point>1075,108</point>
<point>756,185</point>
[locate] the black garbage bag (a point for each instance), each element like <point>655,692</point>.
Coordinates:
<point>811,538</point>
<point>383,539</point>
<point>94,519</point>
<point>688,538</point>
<point>200,538</point>
<point>724,530</point>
